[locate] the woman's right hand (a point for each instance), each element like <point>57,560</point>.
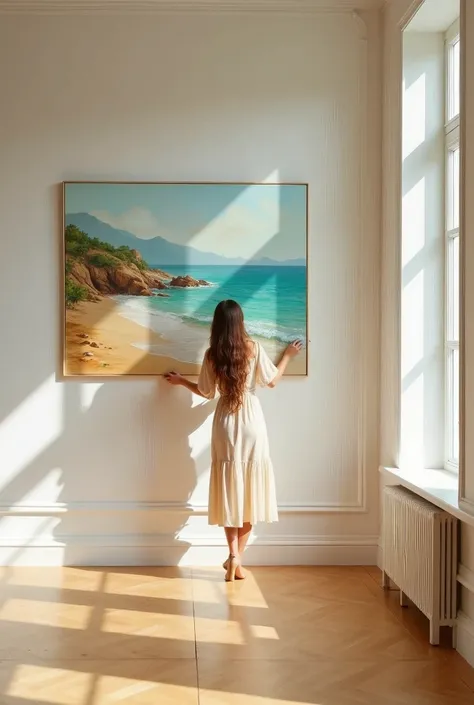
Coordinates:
<point>294,348</point>
<point>173,378</point>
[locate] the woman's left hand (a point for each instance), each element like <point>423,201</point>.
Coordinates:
<point>174,378</point>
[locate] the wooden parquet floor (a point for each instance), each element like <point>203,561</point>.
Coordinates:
<point>155,636</point>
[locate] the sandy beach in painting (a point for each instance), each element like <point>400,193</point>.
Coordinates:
<point>101,341</point>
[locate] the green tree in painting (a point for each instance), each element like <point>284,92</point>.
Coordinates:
<point>101,260</point>
<point>79,244</point>
<point>74,293</point>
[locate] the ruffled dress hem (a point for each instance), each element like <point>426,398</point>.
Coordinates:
<point>242,492</point>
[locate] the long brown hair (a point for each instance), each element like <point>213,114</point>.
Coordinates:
<point>229,352</point>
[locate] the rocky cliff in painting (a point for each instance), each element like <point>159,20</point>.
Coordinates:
<point>95,269</point>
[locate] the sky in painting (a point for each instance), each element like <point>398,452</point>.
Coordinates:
<point>232,220</point>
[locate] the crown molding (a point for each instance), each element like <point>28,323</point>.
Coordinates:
<point>101,7</point>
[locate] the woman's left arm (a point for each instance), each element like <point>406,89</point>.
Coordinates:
<point>178,380</point>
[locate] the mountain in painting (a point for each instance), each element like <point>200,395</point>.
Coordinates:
<point>158,250</point>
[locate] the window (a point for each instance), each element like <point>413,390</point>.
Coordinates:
<point>452,246</point>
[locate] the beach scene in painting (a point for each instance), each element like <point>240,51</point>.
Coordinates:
<point>146,265</point>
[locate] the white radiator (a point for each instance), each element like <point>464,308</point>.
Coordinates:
<point>420,556</point>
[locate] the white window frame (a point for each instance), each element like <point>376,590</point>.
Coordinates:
<point>452,138</point>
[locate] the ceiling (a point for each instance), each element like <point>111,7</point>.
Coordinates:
<point>435,16</point>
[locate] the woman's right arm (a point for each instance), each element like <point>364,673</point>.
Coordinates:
<point>291,351</point>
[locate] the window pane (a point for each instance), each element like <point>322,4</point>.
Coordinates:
<point>455,406</point>
<point>453,289</point>
<point>455,188</point>
<point>452,205</point>
<point>454,81</point>
<point>455,78</point>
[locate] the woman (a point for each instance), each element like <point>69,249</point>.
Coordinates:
<point>242,487</point>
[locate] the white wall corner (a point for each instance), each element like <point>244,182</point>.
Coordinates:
<point>361,24</point>
<point>466,578</point>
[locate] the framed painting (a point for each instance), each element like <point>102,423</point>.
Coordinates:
<point>145,265</point>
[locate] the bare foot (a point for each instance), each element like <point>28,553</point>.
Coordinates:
<point>240,573</point>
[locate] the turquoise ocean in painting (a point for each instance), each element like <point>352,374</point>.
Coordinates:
<point>273,299</point>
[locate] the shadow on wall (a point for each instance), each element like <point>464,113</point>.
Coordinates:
<point>94,478</point>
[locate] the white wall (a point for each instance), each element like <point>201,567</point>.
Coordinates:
<point>397,13</point>
<point>106,473</point>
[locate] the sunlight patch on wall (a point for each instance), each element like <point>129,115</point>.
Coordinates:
<point>413,221</point>
<point>199,438</point>
<point>414,115</point>
<point>30,429</point>
<point>29,529</point>
<point>201,489</point>
<point>412,324</point>
<point>46,490</point>
<point>413,425</point>
<point>412,402</point>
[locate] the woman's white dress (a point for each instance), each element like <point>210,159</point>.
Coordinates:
<point>242,485</point>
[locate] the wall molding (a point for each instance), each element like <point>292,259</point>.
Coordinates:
<point>56,508</point>
<point>168,550</point>
<point>101,7</point>
<point>168,540</point>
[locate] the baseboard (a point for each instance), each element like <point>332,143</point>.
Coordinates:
<point>136,550</point>
<point>465,637</point>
